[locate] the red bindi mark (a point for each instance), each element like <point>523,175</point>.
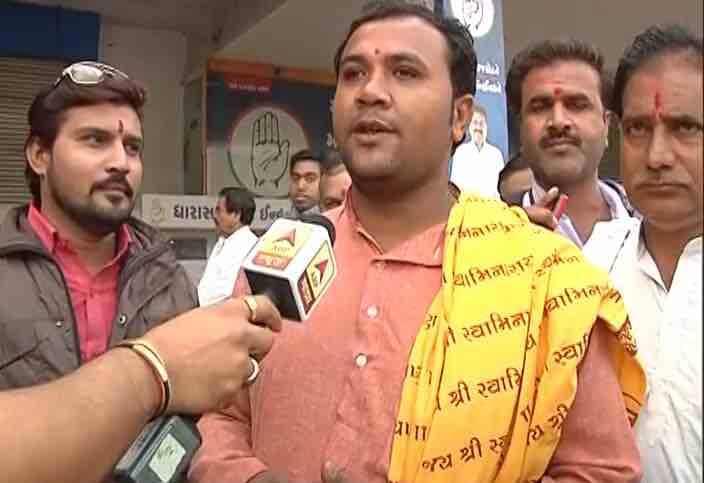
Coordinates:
<point>658,104</point>
<point>557,92</point>
<point>377,51</point>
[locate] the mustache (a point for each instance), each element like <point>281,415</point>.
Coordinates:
<point>559,137</point>
<point>115,181</point>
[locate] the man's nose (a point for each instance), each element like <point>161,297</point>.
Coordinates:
<point>118,158</point>
<point>374,90</point>
<point>660,152</point>
<point>560,117</point>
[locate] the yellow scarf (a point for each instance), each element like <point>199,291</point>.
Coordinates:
<point>493,370</point>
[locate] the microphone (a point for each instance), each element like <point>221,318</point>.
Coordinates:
<point>293,264</point>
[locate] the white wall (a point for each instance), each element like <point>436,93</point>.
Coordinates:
<point>610,24</point>
<point>157,59</point>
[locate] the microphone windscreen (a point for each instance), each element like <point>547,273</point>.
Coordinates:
<point>320,220</point>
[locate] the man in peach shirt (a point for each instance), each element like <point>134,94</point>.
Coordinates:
<point>324,407</point>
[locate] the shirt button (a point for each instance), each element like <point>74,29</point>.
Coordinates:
<point>59,323</point>
<point>361,360</point>
<point>372,311</point>
<point>122,320</point>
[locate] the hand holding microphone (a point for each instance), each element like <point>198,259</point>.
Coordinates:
<point>203,357</point>
<point>206,351</point>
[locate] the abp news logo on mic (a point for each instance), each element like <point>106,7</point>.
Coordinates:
<point>293,263</point>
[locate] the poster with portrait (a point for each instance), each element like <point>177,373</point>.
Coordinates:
<point>485,21</point>
<point>257,117</point>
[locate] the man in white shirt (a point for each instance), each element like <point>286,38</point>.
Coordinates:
<point>233,214</point>
<point>476,164</point>
<point>559,90</point>
<point>656,262</point>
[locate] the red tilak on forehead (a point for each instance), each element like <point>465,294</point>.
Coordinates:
<point>658,103</point>
<point>120,126</point>
<point>557,92</point>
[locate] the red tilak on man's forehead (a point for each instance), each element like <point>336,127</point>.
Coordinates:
<point>658,103</point>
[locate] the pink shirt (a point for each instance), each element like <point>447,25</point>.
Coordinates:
<point>93,297</point>
<point>330,387</point>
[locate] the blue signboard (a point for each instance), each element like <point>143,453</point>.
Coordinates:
<point>485,21</point>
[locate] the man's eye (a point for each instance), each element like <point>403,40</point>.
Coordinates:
<point>688,127</point>
<point>95,139</point>
<point>406,73</point>
<point>578,105</point>
<point>538,106</point>
<point>133,149</point>
<point>636,129</point>
<point>352,73</point>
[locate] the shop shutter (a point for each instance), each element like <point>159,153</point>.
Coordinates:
<point>20,81</point>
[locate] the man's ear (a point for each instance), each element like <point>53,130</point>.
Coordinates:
<point>462,110</point>
<point>37,156</point>
<point>609,118</point>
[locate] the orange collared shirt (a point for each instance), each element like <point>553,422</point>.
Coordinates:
<point>329,389</point>
<point>94,297</point>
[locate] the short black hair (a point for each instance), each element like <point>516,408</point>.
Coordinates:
<point>654,42</point>
<point>516,163</point>
<point>332,161</point>
<point>548,52</point>
<point>462,58</point>
<point>239,200</point>
<point>306,155</point>
<point>478,108</point>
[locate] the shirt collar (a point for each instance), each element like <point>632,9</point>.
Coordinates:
<point>51,238</point>
<point>611,196</point>
<point>242,230</point>
<point>646,262</point>
<point>426,248</point>
<point>313,210</point>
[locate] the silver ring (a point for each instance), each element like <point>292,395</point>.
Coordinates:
<point>252,305</point>
<point>255,370</point>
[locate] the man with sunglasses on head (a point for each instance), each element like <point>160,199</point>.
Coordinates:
<point>80,276</point>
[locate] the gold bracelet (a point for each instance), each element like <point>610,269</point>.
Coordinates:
<point>148,352</point>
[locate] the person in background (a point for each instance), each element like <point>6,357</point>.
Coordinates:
<point>410,368</point>
<point>476,164</point>
<point>560,92</point>
<point>334,182</point>
<point>78,273</point>
<point>86,288</point>
<point>515,180</point>
<point>233,214</point>
<point>656,262</point>
<point>304,187</point>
